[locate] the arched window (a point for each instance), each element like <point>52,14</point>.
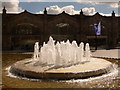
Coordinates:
<point>62,28</point>
<point>26,29</point>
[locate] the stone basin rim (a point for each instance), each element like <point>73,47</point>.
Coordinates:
<point>60,75</point>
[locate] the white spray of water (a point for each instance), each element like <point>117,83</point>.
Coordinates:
<point>61,54</point>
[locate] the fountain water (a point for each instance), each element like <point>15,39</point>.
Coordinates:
<point>36,51</point>
<point>63,60</point>
<point>61,54</point>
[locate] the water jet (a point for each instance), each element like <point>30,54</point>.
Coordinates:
<point>63,60</point>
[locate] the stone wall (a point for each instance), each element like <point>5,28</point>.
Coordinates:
<point>78,27</point>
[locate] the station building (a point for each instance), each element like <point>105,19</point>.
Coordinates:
<point>21,31</point>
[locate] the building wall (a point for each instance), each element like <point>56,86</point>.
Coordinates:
<point>23,30</point>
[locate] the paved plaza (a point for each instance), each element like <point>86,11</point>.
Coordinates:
<point>112,53</point>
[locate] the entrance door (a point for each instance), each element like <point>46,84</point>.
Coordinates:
<point>27,44</point>
<point>24,43</point>
<point>101,43</point>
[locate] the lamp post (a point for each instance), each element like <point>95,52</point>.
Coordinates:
<point>97,30</point>
<point>95,39</point>
<point>96,42</point>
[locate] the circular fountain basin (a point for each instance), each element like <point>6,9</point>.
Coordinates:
<point>95,67</point>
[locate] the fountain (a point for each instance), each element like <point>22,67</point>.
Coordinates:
<point>62,54</point>
<point>63,60</point>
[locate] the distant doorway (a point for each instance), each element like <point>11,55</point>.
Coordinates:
<point>101,42</point>
<point>23,43</point>
<point>27,45</point>
<point>24,36</point>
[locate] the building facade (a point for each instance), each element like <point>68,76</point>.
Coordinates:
<point>21,31</point>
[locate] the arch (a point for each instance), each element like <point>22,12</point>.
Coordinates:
<point>103,39</point>
<point>64,17</point>
<point>63,27</point>
<point>25,30</point>
<point>22,36</point>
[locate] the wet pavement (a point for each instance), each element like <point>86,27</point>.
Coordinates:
<point>10,82</point>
